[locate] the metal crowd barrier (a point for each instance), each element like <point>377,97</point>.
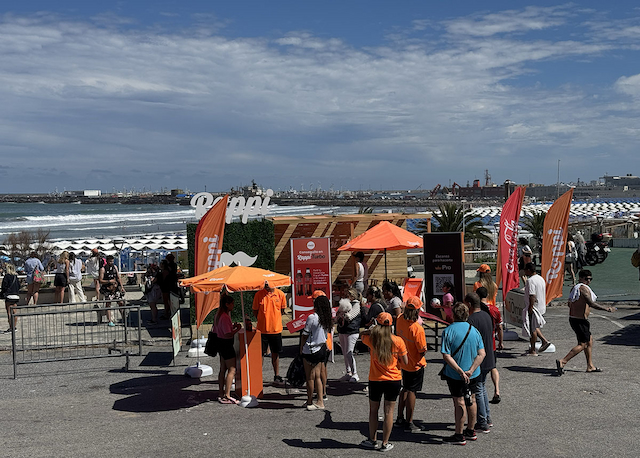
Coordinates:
<point>74,331</point>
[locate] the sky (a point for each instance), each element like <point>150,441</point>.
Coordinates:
<point>336,95</point>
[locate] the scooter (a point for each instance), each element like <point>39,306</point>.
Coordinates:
<point>597,250</point>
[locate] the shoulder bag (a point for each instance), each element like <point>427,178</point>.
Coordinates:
<point>441,373</point>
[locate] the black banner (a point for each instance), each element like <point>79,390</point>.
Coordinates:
<point>443,261</point>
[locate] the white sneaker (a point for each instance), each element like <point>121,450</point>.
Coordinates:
<point>354,378</point>
<point>345,378</point>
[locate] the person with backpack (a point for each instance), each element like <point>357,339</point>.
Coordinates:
<point>349,321</point>
<point>10,292</point>
<point>313,347</point>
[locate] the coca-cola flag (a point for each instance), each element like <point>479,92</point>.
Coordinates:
<point>554,241</point>
<point>507,266</point>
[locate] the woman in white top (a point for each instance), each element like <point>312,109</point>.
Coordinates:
<point>393,296</point>
<point>359,272</point>
<point>313,346</point>
<point>570,259</point>
<point>75,279</point>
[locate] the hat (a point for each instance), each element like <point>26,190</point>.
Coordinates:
<point>484,268</point>
<point>318,293</point>
<point>413,303</point>
<point>384,319</point>
<point>526,250</point>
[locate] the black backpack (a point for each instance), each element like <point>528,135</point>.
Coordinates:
<point>296,376</point>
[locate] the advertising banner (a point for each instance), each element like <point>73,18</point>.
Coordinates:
<point>443,261</point>
<point>209,236</point>
<point>311,270</point>
<point>513,307</point>
<point>507,265</point>
<point>554,241</point>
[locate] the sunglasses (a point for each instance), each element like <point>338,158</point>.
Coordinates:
<point>589,278</point>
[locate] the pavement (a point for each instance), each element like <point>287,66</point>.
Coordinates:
<point>94,408</point>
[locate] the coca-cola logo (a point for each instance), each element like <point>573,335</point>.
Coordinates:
<point>510,236</point>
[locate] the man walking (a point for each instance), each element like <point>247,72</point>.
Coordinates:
<point>535,306</point>
<point>581,299</point>
<point>268,306</point>
<point>481,320</point>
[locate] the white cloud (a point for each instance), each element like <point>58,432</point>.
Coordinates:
<point>207,109</point>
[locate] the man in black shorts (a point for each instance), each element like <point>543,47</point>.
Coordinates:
<point>581,299</point>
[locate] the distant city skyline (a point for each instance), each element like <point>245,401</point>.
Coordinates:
<point>351,95</point>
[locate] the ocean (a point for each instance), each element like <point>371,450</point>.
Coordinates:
<point>91,221</point>
<point>615,279</point>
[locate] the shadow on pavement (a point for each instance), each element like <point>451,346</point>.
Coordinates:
<point>157,358</point>
<point>323,444</point>
<point>628,336</point>
<point>635,317</point>
<point>533,370</point>
<point>160,393</point>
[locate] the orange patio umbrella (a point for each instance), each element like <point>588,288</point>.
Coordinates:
<point>383,236</point>
<point>234,279</point>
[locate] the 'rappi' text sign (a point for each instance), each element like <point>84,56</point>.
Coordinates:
<point>238,206</point>
<point>311,270</point>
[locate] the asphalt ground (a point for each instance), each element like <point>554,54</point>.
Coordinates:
<point>94,408</point>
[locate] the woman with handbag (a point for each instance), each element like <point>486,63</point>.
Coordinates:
<point>462,351</point>
<point>225,330</point>
<point>35,276</point>
<point>10,290</point>
<point>313,347</point>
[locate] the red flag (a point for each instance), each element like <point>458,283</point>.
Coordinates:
<point>507,265</point>
<point>554,241</point>
<point>209,235</point>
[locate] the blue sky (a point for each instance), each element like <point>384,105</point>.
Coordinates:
<point>360,94</point>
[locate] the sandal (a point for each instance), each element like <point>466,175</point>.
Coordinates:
<point>226,400</point>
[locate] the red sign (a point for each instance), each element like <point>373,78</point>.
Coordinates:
<point>311,271</point>
<point>507,269</point>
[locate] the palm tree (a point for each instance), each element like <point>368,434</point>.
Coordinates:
<point>452,217</point>
<point>534,224</point>
<point>365,210</point>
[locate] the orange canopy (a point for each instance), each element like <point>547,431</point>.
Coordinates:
<point>383,236</point>
<point>235,279</point>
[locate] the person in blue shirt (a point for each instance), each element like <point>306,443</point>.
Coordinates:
<point>463,352</point>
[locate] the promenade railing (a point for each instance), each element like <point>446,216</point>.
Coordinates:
<point>74,331</point>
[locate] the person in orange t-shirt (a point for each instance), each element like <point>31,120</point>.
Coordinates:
<point>412,333</point>
<point>486,280</point>
<point>268,306</point>
<point>385,377</point>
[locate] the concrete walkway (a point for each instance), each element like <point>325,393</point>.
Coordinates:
<point>93,408</point>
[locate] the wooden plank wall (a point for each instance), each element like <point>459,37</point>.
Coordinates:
<point>341,229</point>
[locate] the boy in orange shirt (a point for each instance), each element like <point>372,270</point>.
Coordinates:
<point>385,377</point>
<point>412,333</point>
<point>268,306</point>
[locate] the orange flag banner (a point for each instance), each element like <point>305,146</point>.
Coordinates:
<point>209,235</point>
<point>554,243</point>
